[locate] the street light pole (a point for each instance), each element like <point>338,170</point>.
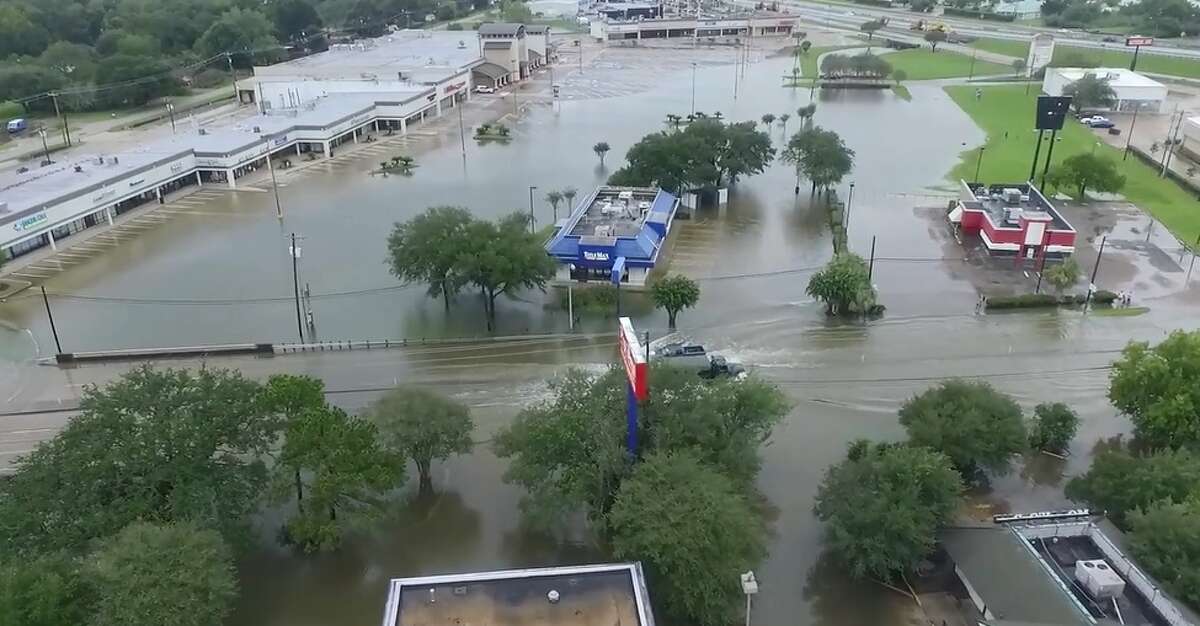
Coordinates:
<point>275,189</point>
<point>979,162</point>
<point>693,88</point>
<point>171,113</point>
<point>45,148</point>
<point>53,328</point>
<point>1129,136</point>
<point>532,219</point>
<point>462,137</point>
<point>296,287</point>
<point>846,219</point>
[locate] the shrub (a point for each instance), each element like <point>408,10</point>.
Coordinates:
<point>1022,301</point>
<point>10,110</point>
<point>593,298</point>
<point>209,78</point>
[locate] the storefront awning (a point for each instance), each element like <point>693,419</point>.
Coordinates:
<point>491,70</point>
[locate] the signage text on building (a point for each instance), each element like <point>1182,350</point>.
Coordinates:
<point>589,255</point>
<point>1139,41</point>
<point>29,222</point>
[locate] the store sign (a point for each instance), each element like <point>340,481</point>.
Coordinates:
<point>107,193</point>
<point>176,168</point>
<point>30,222</point>
<point>1040,516</point>
<point>1132,42</point>
<point>280,141</point>
<point>135,183</point>
<point>454,87</point>
<point>590,255</point>
<point>633,358</point>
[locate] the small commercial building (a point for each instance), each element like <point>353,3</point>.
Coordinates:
<point>505,45</point>
<point>1019,9</point>
<point>1070,572</point>
<point>1013,219</point>
<point>629,10</point>
<point>614,230</point>
<point>1191,137</point>
<point>708,29</point>
<point>1134,91</point>
<point>582,595</point>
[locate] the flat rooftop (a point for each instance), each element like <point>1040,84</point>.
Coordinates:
<point>1062,552</point>
<point>1117,77</point>
<point>589,595</point>
<point>403,50</point>
<point>615,212</point>
<point>998,204</point>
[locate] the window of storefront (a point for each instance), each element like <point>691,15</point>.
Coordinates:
<point>27,246</point>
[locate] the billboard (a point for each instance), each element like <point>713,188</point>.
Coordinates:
<point>633,358</point>
<point>1051,112</point>
<point>1041,49</point>
<point>1132,42</point>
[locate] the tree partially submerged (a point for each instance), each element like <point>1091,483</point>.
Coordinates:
<point>673,294</point>
<point>820,155</point>
<point>426,249</point>
<point>844,286</point>
<point>1120,482</point>
<point>1159,389</point>
<point>975,426</point>
<point>707,154</point>
<point>503,257</point>
<point>422,425</point>
<point>1165,539</point>
<point>687,524</point>
<point>884,505</point>
<point>1053,427</point>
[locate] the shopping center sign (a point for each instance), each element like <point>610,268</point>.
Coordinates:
<point>633,357</point>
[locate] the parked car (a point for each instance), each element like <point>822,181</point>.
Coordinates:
<point>1110,39</point>
<point>484,89</point>
<point>1096,121</point>
<point>17,125</point>
<point>692,355</point>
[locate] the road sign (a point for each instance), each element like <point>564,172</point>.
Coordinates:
<point>1139,41</point>
<point>633,357</point>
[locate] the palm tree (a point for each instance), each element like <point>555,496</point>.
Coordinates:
<point>783,119</point>
<point>718,116</point>
<point>502,130</point>
<point>674,120</point>
<point>601,148</point>
<point>768,119</point>
<point>569,195</point>
<point>554,197</point>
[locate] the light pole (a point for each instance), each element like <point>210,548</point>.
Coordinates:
<point>295,253</point>
<point>275,189</point>
<point>1129,136</point>
<point>532,220</point>
<point>462,137</point>
<point>693,89</point>
<point>171,114</point>
<point>45,148</point>
<point>978,162</point>
<point>846,219</point>
<point>749,587</point>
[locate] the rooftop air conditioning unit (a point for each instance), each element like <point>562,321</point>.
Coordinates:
<point>1099,578</point>
<point>1012,195</point>
<point>257,129</point>
<point>115,160</point>
<point>203,131</point>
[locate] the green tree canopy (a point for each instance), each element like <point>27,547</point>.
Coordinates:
<point>706,154</point>
<point>1063,275</point>
<point>74,61</point>
<point>287,397</point>
<point>241,31</point>
<point>154,445</point>
<point>819,155</point>
<point>427,249</point>
<point>974,425</point>
<point>843,285</point>
<point>693,531</point>
<point>295,20</point>
<point>1053,427</point>
<point>1085,171</point>
<point>1159,389</point>
<point>568,452</point>
<point>503,257</point>
<point>601,149</point>
<point>883,506</point>
<point>673,294</point>
<point>48,590</point>
<point>1090,92</point>
<point>871,27</point>
<point>150,575</point>
<point>346,471</point>
<point>422,425</point>
<point>934,37</point>
<point>139,79</point>
<point>1165,540</point>
<point>1120,482</point>
<point>865,65</point>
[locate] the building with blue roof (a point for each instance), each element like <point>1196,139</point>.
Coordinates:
<point>613,230</point>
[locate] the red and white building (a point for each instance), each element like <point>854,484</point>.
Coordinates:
<point>1013,219</point>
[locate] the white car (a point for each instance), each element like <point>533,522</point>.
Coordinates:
<point>484,89</point>
<point>1096,121</point>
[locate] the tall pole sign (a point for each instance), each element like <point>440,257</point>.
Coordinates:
<point>633,358</point>
<point>1136,43</point>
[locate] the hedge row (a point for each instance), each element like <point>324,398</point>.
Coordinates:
<point>1036,300</point>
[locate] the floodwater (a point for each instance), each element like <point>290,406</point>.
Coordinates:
<point>753,258</point>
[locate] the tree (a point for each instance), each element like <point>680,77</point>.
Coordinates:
<point>1018,66</point>
<point>783,120</point>
<point>1166,542</point>
<point>422,425</point>
<point>19,34</point>
<point>922,6</point>
<point>870,27</point>
<point>707,154</point>
<point>1053,427</point>
<point>1159,389</point>
<point>515,11</point>
<point>843,285</point>
<point>569,195</point>
<point>601,148</point>
<point>934,37</point>
<point>74,61</point>
<point>568,451</point>
<point>347,470</point>
<point>1090,92</point>
<point>240,31</point>
<point>820,155</point>
<point>974,425</point>
<point>502,257</point>
<point>139,79</point>
<point>807,111</point>
<point>1086,170</point>
<point>673,294</point>
<point>1166,18</point>
<point>154,445</point>
<point>554,197</point>
<point>884,505</point>
<point>1063,275</point>
<point>688,524</point>
<point>768,119</point>
<point>427,249</point>
<point>899,75</point>
<point>48,590</point>
<point>295,20</point>
<point>148,575</point>
<point>287,396</point>
<point>805,46</point>
<point>1120,482</point>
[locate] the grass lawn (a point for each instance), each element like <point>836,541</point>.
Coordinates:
<point>1007,159</point>
<point>1154,63</point>
<point>1009,47</point>
<point>921,64</point>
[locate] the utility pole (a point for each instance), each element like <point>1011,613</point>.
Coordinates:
<point>532,219</point>
<point>1171,143</point>
<point>1049,156</point>
<point>1167,143</point>
<point>275,188</point>
<point>871,265</point>
<point>693,89</point>
<point>295,252</point>
<point>50,316</point>
<point>232,76</point>
<point>66,129</point>
<point>971,72</point>
<point>45,148</point>
<point>978,162</point>
<point>462,137</point>
<point>1129,137</point>
<point>171,113</point>
<point>846,216</point>
<point>1095,270</point>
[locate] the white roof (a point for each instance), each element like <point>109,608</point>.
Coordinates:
<point>1117,77</point>
<point>405,50</point>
